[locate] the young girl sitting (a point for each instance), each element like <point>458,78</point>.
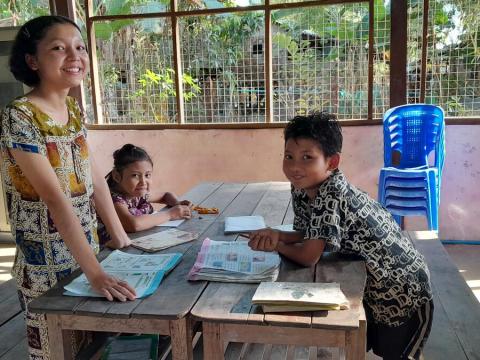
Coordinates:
<point>132,194</point>
<point>51,182</point>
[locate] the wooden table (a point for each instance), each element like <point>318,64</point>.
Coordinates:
<point>226,311</point>
<point>165,312</point>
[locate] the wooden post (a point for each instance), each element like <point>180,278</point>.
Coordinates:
<point>59,341</point>
<point>398,53</point>
<point>177,63</point>
<point>371,44</point>
<point>268,64</point>
<point>92,45</point>
<point>181,335</point>
<point>68,9</point>
<point>213,344</point>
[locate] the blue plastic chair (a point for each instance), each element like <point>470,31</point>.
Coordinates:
<point>408,183</point>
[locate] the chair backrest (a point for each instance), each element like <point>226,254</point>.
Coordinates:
<point>414,131</point>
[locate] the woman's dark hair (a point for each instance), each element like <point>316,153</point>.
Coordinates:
<point>126,155</point>
<point>321,127</point>
<point>26,41</point>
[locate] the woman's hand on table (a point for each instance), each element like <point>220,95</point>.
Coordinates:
<point>112,288</point>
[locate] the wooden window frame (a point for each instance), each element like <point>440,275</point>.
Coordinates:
<point>398,60</point>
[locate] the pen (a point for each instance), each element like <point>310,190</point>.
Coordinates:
<point>246,236</point>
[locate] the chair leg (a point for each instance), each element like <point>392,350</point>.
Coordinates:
<point>381,188</point>
<point>432,202</point>
<point>399,220</point>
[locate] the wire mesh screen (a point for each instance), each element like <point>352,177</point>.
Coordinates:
<point>213,4</point>
<point>136,73</point>
<point>453,58</point>
<point>223,58</point>
<point>122,7</point>
<point>381,60</point>
<point>320,61</point>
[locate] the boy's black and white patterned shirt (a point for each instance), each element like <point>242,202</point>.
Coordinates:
<point>351,222</point>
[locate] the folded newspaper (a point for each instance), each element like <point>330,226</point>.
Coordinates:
<point>163,240</point>
<point>290,296</point>
<point>234,261</point>
<point>142,272</point>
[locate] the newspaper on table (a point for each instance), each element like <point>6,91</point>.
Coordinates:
<point>142,272</point>
<point>234,261</point>
<point>243,224</point>
<point>163,240</point>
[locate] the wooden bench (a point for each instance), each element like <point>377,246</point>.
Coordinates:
<point>456,322</point>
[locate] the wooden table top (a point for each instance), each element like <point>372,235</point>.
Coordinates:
<point>228,302</point>
<point>176,296</point>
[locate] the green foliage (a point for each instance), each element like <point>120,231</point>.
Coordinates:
<point>23,10</point>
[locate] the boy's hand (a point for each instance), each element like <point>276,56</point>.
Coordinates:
<point>112,288</point>
<point>264,240</point>
<point>180,212</point>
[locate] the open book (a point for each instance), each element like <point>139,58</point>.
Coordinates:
<point>163,240</point>
<point>143,272</point>
<point>234,261</point>
<point>243,224</point>
<point>289,296</point>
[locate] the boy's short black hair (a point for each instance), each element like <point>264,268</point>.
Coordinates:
<point>26,41</point>
<point>320,126</point>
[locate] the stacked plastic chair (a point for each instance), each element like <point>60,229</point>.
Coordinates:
<point>409,183</point>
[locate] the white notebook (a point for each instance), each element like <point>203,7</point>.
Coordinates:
<point>243,224</point>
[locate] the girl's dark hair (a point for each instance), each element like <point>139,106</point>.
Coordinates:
<point>321,127</point>
<point>26,41</point>
<point>126,155</point>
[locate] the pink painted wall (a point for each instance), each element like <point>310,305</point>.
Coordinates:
<point>183,158</point>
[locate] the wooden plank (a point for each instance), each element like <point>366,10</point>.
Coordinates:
<point>281,335</point>
<point>233,301</point>
<point>13,333</point>
<point>461,307</point>
<point>273,208</point>
<point>9,302</point>
<point>442,342</point>
<point>225,302</point>
<point>352,275</point>
<point>19,351</point>
<point>176,296</point>
<point>7,289</point>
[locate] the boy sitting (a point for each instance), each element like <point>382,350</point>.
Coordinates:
<point>333,215</point>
